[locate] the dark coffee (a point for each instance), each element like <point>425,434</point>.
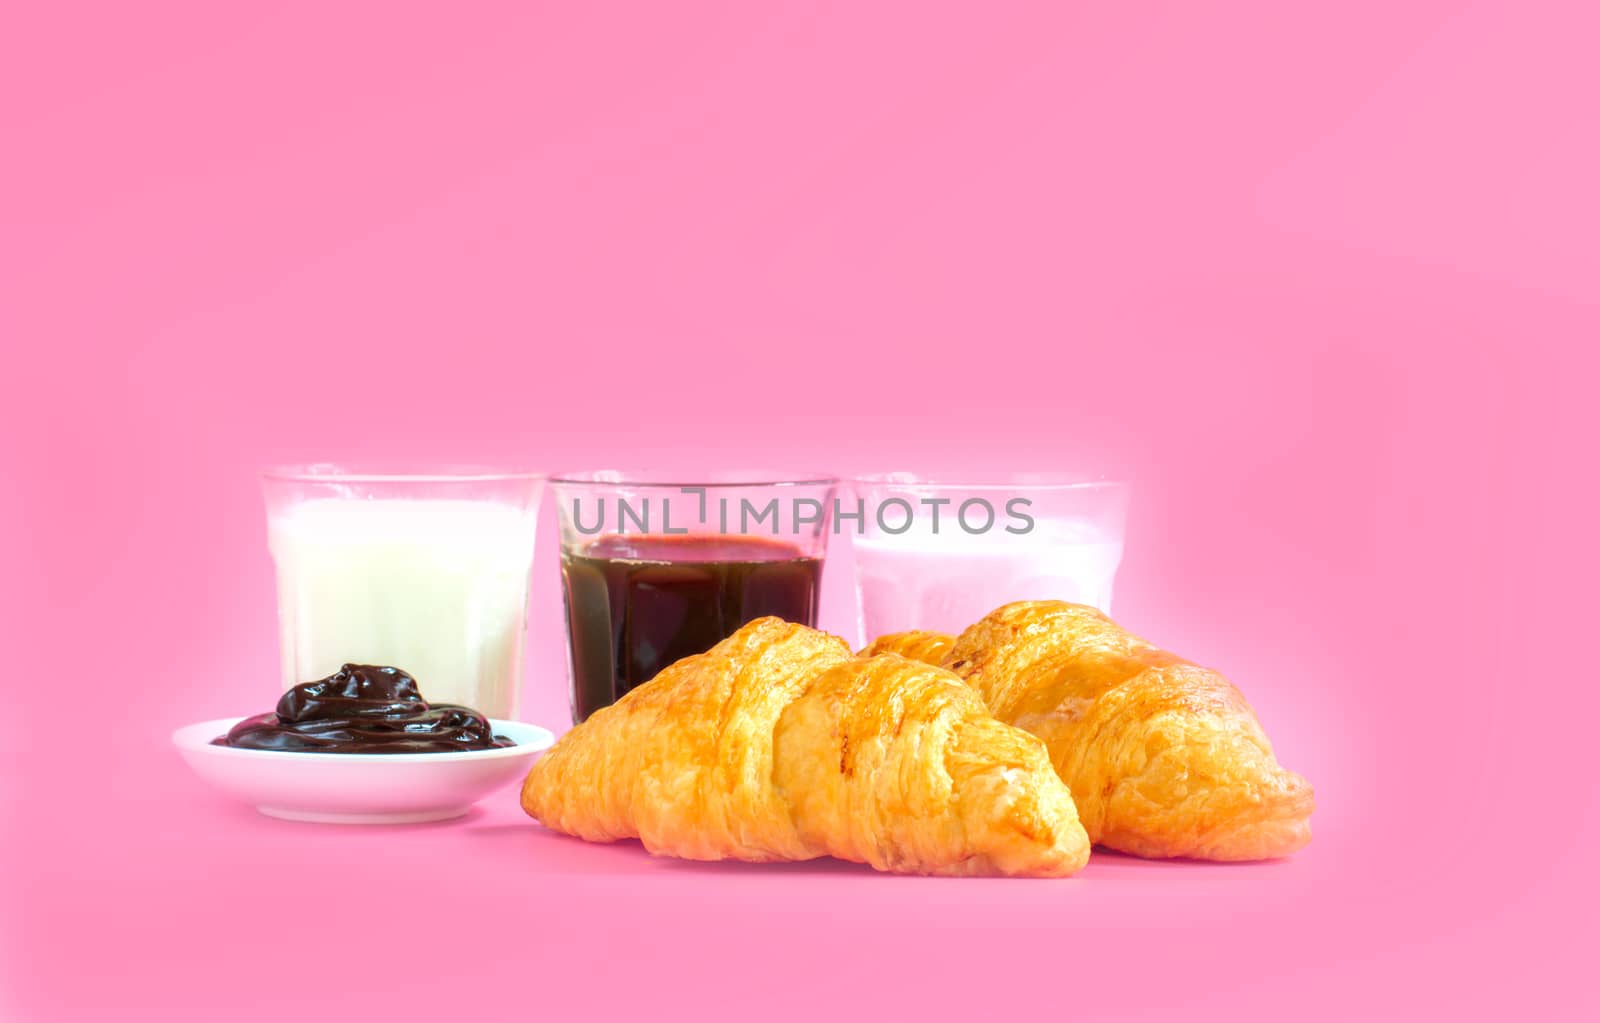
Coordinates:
<point>635,604</point>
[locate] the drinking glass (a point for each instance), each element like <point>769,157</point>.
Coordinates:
<point>659,566</point>
<point>938,553</point>
<point>424,571</point>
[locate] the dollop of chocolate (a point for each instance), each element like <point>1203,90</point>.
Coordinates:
<point>363,708</point>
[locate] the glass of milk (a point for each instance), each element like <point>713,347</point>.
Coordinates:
<point>427,572</point>
<point>939,553</point>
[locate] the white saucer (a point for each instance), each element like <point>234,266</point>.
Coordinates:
<point>360,788</point>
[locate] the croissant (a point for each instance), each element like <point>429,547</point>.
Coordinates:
<point>1164,758</point>
<point>928,647</point>
<point>777,744</point>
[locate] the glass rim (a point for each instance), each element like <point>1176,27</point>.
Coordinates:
<point>333,472</point>
<point>676,480</point>
<point>1034,481</point>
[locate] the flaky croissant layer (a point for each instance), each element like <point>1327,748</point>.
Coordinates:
<point>1164,758</point>
<point>777,744</point>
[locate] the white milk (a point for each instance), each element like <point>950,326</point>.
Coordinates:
<point>945,582</point>
<point>436,588</point>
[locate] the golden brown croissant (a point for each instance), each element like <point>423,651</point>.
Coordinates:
<point>1164,758</point>
<point>776,744</point>
<point>928,647</point>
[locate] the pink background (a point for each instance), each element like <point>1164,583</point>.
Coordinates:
<point>1320,277</point>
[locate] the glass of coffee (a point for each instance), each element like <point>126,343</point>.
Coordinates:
<point>660,566</point>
